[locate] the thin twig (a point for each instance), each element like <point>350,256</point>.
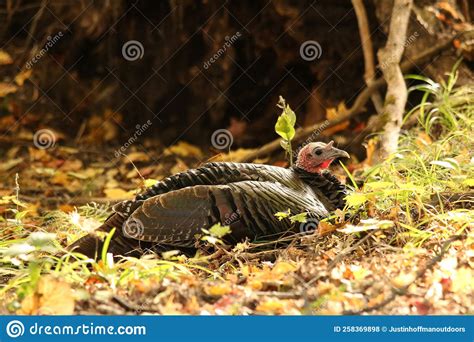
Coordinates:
<point>34,23</point>
<point>349,250</point>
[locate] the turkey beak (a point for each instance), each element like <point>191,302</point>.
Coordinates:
<point>337,153</point>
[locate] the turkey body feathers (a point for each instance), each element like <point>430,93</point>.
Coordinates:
<point>244,196</point>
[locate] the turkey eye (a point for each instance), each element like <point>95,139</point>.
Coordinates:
<point>318,152</point>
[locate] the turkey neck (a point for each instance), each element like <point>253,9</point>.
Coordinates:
<point>326,184</point>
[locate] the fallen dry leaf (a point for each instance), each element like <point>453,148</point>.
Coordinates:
<point>51,297</point>
<point>333,114</point>
<point>217,290</point>
<point>403,280</point>
<point>282,268</point>
<point>21,77</point>
<point>138,157</point>
<point>5,58</point>
<point>184,149</point>
<point>117,193</point>
<point>7,88</point>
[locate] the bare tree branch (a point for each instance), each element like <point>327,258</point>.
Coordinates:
<point>368,51</point>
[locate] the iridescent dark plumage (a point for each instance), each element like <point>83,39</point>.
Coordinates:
<point>244,196</point>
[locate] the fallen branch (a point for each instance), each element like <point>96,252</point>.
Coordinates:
<point>398,292</point>
<point>72,200</point>
<point>357,107</point>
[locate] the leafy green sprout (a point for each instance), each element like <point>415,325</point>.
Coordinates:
<point>285,127</point>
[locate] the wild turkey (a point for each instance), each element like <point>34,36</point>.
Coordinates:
<point>243,196</point>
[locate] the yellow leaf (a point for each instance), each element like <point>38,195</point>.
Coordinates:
<point>378,185</point>
<point>85,174</point>
<point>138,157</point>
<point>468,182</point>
<point>355,199</point>
<point>72,165</point>
<point>274,306</point>
<point>60,178</point>
<point>334,113</point>
<point>23,76</point>
<point>282,268</point>
<point>150,182</point>
<point>255,284</point>
<point>403,280</point>
<point>5,58</point>
<point>359,272</point>
<point>184,149</point>
<point>234,155</point>
<point>7,88</point>
<point>463,281</point>
<point>117,193</point>
<point>218,290</point>
<point>51,297</point>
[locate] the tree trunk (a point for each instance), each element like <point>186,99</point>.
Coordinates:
<point>389,59</point>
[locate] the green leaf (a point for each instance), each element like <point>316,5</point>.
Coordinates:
<point>284,128</point>
<point>285,125</point>
<point>298,218</point>
<point>356,199</point>
<point>468,182</point>
<point>219,231</point>
<point>378,185</point>
<point>282,214</point>
<point>106,245</point>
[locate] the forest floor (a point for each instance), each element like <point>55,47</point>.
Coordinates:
<point>46,203</point>
<point>409,248</point>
